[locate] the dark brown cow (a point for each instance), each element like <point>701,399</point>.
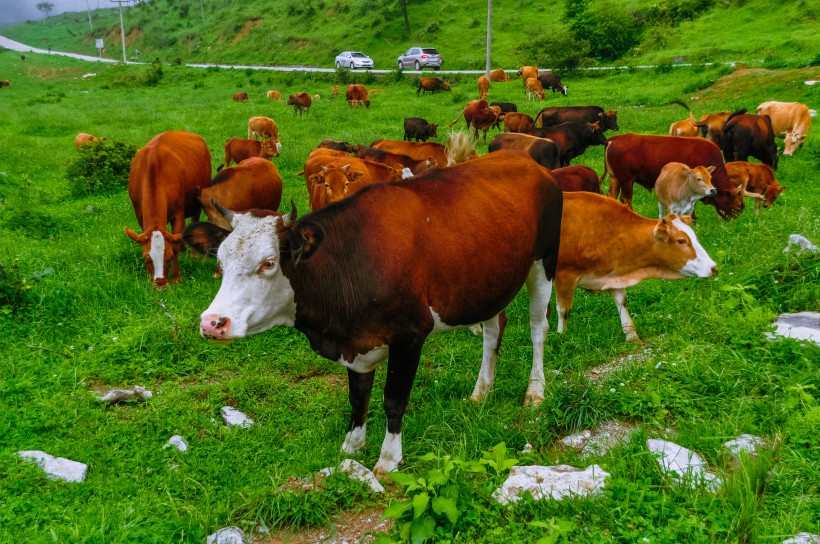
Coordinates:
<point>357,94</point>
<point>749,134</point>
<point>340,146</point>
<point>577,178</point>
<point>432,84</point>
<point>639,158</point>
<point>499,75</point>
<point>397,160</point>
<point>505,108</point>
<point>416,128</point>
<point>541,150</point>
<point>369,298</point>
<point>163,183</point>
<point>757,181</point>
<point>416,150</point>
<point>572,138</point>
<point>300,102</point>
<point>239,149</point>
<point>240,97</point>
<point>552,82</point>
<point>607,120</point>
<point>479,115</point>
<point>517,122</point>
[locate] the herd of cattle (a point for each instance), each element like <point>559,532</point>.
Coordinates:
<point>426,255</point>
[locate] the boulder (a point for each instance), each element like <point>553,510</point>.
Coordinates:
<point>556,482</point>
<point>57,468</point>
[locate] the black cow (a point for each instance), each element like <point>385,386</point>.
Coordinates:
<point>747,134</point>
<point>552,82</point>
<point>339,146</point>
<point>572,138</point>
<point>418,129</point>
<point>607,120</point>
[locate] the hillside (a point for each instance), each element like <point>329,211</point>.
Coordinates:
<point>312,32</point>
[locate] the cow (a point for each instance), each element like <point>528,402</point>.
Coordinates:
<point>263,128</point>
<point>364,299</point>
<point>505,108</point>
<point>317,97</point>
<point>605,246</point>
<point>499,76</point>
<point>4,83</point>
<point>375,91</point>
<point>757,181</point>
<point>631,158</point>
<point>431,84</point>
<point>357,94</point>
<point>84,138</point>
<point>553,83</point>
<point>710,126</point>
<point>790,120</point>
<point>339,146</point>
<point>274,95</point>
<point>517,122</point>
<point>678,187</point>
<point>685,128</point>
<point>334,91</point>
<point>577,178</point>
<point>749,134</point>
<point>479,115</point>
<point>416,128</point>
<point>608,120</point>
<point>483,87</point>
<point>300,102</point>
<point>572,139</point>
<point>459,148</point>
<point>318,158</point>
<point>253,183</point>
<point>527,72</point>
<point>541,150</point>
<point>397,160</point>
<point>240,97</point>
<point>239,149</point>
<point>162,185</point>
<point>533,88</point>
<point>346,176</point>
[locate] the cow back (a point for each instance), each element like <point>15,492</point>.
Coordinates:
<point>254,183</point>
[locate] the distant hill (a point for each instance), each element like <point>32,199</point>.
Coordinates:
<point>549,34</point>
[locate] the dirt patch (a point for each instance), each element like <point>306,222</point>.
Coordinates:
<point>744,79</point>
<point>600,372</point>
<point>348,527</point>
<point>50,73</point>
<point>250,24</point>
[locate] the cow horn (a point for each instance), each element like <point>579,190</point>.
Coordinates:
<point>226,213</point>
<point>287,220</point>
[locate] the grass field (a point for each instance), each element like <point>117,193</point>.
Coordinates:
<point>78,316</point>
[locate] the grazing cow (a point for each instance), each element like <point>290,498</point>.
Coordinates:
<point>274,95</point>
<point>431,84</point>
<point>300,102</point>
<point>357,94</point>
<point>685,128</point>
<point>517,122</point>
<point>416,150</point>
<point>375,91</point>
<point>533,88</point>
<point>527,72</point>
<point>483,87</point>
<point>479,115</point>
<point>577,178</point>
<point>757,181</point>
<point>339,146</point>
<point>631,158</point>
<point>416,128</point>
<point>263,128</point>
<point>790,120</point>
<point>607,120</point>
<point>239,149</point>
<point>505,108</point>
<point>748,134</point>
<point>552,82</point>
<point>240,97</point>
<point>408,165</point>
<point>710,126</point>
<point>364,299</point>
<point>541,150</point>
<point>4,83</point>
<point>318,158</point>
<point>572,139</point>
<point>605,246</point>
<point>499,76</point>
<point>84,139</point>
<point>334,91</point>
<point>346,176</point>
<point>253,183</point>
<point>163,183</point>
<point>678,187</point>
<point>317,97</point>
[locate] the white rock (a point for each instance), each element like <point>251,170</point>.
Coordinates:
<point>356,471</point>
<point>576,441</point>
<point>803,538</point>
<point>684,463</point>
<point>803,244</point>
<point>800,326</point>
<point>745,442</point>
<point>556,482</point>
<point>231,416</point>
<point>177,442</point>
<point>599,441</point>
<point>227,535</point>
<point>58,468</point>
<point>119,395</point>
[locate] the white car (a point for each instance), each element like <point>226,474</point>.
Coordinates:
<point>353,59</point>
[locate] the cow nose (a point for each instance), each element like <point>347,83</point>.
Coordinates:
<point>161,283</point>
<point>215,327</point>
<point>711,192</point>
<point>714,270</point>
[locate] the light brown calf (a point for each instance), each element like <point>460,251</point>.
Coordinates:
<point>84,139</point>
<point>678,187</point>
<point>533,88</point>
<point>756,180</point>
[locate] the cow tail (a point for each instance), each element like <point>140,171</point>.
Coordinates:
<point>741,111</point>
<point>456,119</point>
<point>606,166</point>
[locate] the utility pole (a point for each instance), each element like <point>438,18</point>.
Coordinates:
<point>88,7</point>
<point>489,34</point>
<point>122,28</point>
<point>202,9</point>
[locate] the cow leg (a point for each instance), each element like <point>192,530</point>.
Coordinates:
<point>360,386</point>
<point>626,193</point>
<point>402,364</point>
<point>614,186</point>
<point>539,288</point>
<point>619,296</point>
<point>564,294</point>
<point>493,333</point>
<point>174,273</point>
<point>660,210</point>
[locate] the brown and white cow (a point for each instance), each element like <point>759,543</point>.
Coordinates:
<point>533,88</point>
<point>605,246</point>
<point>263,128</point>
<point>790,120</point>
<point>577,178</point>
<point>517,122</point>
<point>747,134</point>
<point>678,187</point>
<point>301,103</point>
<point>431,84</point>
<point>527,72</point>
<point>757,181</point>
<point>483,87</point>
<point>555,115</point>
<point>163,183</point>
<point>365,299</point>
<point>479,115</point>
<point>499,76</point>
<point>239,149</point>
<point>543,151</point>
<point>83,138</point>
<point>357,94</point>
<point>240,97</point>
<point>274,95</point>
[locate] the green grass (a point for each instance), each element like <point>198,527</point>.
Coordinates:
<point>94,322</point>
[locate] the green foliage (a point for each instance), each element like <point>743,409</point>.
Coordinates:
<point>14,289</point>
<point>153,75</point>
<point>560,50</point>
<point>608,27</point>
<point>100,168</point>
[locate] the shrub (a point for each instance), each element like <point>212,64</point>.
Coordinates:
<point>101,168</point>
<point>608,27</point>
<point>559,51</point>
<point>14,289</point>
<point>154,74</point>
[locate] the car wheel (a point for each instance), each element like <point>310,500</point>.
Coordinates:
<point>338,64</point>
<point>437,68</point>
<point>418,66</point>
<point>400,65</point>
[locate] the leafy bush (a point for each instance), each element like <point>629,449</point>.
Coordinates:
<point>14,289</point>
<point>100,168</point>
<point>559,51</point>
<point>610,28</point>
<point>154,74</point>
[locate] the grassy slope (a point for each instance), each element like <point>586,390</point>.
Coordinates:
<point>759,31</point>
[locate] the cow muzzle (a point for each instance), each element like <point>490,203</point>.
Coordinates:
<point>215,327</point>
<point>711,192</point>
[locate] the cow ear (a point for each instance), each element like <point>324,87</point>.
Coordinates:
<point>315,178</point>
<point>138,238</point>
<point>204,238</point>
<point>304,240</point>
<point>710,169</point>
<point>687,219</point>
<point>354,176</point>
<point>662,229</point>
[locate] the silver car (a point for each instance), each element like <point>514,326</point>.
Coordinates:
<point>353,59</point>
<point>420,57</point>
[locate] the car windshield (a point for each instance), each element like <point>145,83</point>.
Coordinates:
<point>358,55</point>
<point>430,51</point>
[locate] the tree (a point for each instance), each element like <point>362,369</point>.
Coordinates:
<point>406,19</point>
<point>45,7</point>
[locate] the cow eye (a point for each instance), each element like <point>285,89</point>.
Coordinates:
<point>268,264</point>
<point>682,241</point>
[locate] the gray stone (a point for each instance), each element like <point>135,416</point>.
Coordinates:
<point>803,244</point>
<point>231,416</point>
<point>682,463</point>
<point>744,443</point>
<point>800,326</point>
<point>803,538</point>
<point>57,468</point>
<point>356,471</point>
<point>227,535</point>
<point>176,442</point>
<point>598,441</point>
<point>556,482</point>
<point>120,395</point>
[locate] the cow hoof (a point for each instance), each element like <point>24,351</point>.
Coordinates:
<point>532,399</point>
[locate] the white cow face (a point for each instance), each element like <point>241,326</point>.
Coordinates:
<point>793,141</point>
